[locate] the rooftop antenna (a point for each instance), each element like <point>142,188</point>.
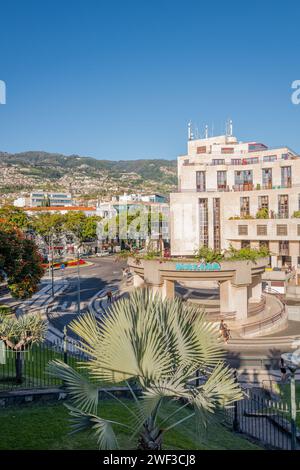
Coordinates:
<point>196,132</point>
<point>230,127</point>
<point>206,131</point>
<point>190,132</point>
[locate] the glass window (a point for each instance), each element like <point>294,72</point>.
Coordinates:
<point>286,176</point>
<point>263,202</point>
<point>283,206</point>
<point>203,222</point>
<point>267,178</point>
<point>245,206</point>
<point>200,181</point>
<point>270,158</point>
<point>222,179</point>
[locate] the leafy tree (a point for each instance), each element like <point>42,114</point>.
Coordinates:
<point>46,224</point>
<point>20,334</point>
<point>160,345</point>
<point>82,227</point>
<point>20,262</point>
<point>15,216</point>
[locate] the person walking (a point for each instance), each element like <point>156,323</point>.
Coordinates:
<point>109,296</point>
<point>282,370</point>
<point>224,331</point>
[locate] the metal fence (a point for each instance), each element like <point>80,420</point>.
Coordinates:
<point>27,369</point>
<point>267,421</point>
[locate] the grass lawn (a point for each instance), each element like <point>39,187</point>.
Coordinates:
<point>39,427</point>
<point>285,392</point>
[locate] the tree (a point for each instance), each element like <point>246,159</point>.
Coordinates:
<point>20,334</point>
<point>20,262</point>
<point>159,344</point>
<point>15,216</point>
<point>46,224</point>
<point>83,228</point>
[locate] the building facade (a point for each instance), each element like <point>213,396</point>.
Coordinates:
<point>240,194</point>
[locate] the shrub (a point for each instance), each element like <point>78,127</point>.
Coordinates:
<point>208,255</point>
<point>262,213</point>
<point>296,214</point>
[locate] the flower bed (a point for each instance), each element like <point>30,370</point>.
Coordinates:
<point>66,263</point>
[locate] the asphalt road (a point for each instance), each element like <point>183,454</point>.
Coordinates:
<point>104,274</point>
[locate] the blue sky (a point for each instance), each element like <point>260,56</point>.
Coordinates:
<point>121,79</point>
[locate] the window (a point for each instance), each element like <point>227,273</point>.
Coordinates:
<point>203,222</point>
<point>227,150</point>
<point>282,230</point>
<point>250,160</point>
<point>283,206</point>
<point>298,230</point>
<point>236,161</point>
<point>243,229</point>
<point>200,181</point>
<point>243,179</point>
<point>270,158</point>
<point>218,161</point>
<point>283,248</point>
<point>286,176</point>
<point>221,179</point>
<point>256,147</point>
<point>201,149</point>
<point>285,156</point>
<point>263,202</point>
<point>267,178</point>
<point>245,244</point>
<point>217,224</point>
<point>244,206</point>
<point>262,230</point>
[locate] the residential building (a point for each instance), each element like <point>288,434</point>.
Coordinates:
<point>225,187</point>
<point>41,198</point>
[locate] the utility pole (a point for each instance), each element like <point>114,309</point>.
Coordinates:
<point>78,282</point>
<point>50,256</point>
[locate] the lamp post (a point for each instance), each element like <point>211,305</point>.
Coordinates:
<point>78,280</point>
<point>292,360</point>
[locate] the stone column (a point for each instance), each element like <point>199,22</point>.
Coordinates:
<point>168,289</point>
<point>256,290</point>
<point>138,281</point>
<point>240,300</point>
<point>226,298</point>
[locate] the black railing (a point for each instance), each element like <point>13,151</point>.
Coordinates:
<point>33,363</point>
<point>267,421</point>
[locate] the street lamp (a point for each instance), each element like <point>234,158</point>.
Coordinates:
<point>292,361</point>
<point>77,247</point>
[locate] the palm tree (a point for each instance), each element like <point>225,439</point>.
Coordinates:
<point>161,345</point>
<point>19,334</point>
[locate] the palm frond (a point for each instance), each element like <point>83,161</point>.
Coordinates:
<point>102,428</point>
<point>83,393</point>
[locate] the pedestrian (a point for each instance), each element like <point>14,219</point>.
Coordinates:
<point>282,370</point>
<point>109,296</point>
<point>224,331</point>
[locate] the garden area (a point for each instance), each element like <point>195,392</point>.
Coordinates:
<point>44,426</point>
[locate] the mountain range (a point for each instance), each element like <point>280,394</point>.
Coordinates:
<point>86,176</point>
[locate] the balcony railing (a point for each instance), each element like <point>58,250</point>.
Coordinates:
<point>238,188</point>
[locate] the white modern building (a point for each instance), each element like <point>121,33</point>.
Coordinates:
<point>42,198</point>
<point>240,194</point>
